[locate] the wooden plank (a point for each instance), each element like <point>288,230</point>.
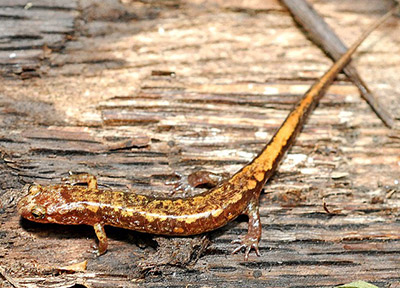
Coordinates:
<point>329,214</point>
<point>28,29</point>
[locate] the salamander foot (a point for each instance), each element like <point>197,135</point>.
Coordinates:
<point>101,248</point>
<point>247,242</point>
<point>187,184</point>
<point>253,236</point>
<point>95,250</point>
<point>82,178</point>
<point>181,185</point>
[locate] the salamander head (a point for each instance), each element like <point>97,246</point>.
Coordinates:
<point>36,204</point>
<point>47,204</point>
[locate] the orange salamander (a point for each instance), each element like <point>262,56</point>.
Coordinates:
<point>239,194</point>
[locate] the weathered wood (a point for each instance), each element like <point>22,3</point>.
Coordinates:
<point>28,29</point>
<point>330,213</point>
<point>321,34</point>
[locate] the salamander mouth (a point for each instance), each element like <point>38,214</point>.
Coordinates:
<point>23,207</point>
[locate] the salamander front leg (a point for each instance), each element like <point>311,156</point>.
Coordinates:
<point>82,178</point>
<point>253,236</point>
<point>187,184</point>
<point>102,237</point>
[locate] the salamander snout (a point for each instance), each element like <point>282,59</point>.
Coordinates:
<point>29,207</point>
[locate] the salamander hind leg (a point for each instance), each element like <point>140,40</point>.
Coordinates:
<point>101,248</point>
<point>253,236</point>
<point>186,184</point>
<point>82,178</point>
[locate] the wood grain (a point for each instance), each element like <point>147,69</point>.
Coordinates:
<point>239,67</point>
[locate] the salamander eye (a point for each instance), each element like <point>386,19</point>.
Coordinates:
<point>38,212</point>
<point>34,189</point>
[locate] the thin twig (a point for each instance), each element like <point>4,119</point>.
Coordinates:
<point>322,34</point>
<point>10,280</point>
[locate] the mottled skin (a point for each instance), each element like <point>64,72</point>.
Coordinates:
<point>71,204</point>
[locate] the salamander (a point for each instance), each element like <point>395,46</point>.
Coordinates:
<point>187,215</point>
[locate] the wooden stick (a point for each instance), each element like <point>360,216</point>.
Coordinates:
<point>8,278</point>
<point>322,34</point>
